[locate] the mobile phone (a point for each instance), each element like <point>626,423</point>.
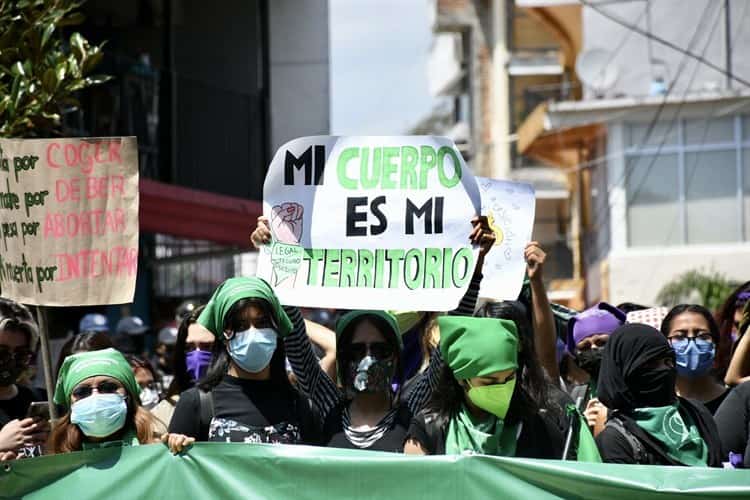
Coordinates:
<point>39,409</point>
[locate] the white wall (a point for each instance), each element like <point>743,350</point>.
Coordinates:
<point>299,67</point>
<point>637,275</point>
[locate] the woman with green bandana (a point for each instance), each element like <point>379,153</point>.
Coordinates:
<point>368,410</point>
<point>245,395</point>
<point>104,408</point>
<point>648,423</point>
<point>483,404</point>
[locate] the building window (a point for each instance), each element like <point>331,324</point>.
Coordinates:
<point>688,183</point>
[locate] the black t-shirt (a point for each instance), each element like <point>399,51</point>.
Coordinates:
<point>17,408</point>
<point>714,404</point>
<point>733,421</point>
<point>540,436</point>
<point>392,440</point>
<point>249,411</point>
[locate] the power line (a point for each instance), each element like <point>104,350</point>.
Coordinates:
<point>640,31</point>
<point>654,121</point>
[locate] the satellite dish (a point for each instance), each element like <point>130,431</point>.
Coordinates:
<point>596,70</point>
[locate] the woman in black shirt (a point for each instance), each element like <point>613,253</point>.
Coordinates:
<point>246,395</point>
<point>648,423</point>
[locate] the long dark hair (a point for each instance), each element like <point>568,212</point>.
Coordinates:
<point>344,342</point>
<point>532,388</point>
<point>713,327</point>
<point>725,319</point>
<point>181,381</point>
<point>220,357</point>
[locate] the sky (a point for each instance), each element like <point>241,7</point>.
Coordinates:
<point>379,52</point>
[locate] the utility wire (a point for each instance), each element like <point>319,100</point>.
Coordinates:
<point>671,45</point>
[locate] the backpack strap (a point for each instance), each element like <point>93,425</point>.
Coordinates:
<point>206,411</point>
<point>639,452</point>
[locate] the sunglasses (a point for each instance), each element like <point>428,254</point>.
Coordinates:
<point>84,391</point>
<point>22,354</point>
<point>380,350</point>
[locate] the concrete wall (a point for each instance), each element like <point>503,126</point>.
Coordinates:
<point>299,69</point>
<point>675,21</point>
<point>638,275</point>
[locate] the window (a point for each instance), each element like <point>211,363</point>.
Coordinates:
<point>689,184</point>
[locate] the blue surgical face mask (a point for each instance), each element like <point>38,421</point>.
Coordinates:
<point>253,349</point>
<point>99,415</point>
<point>694,357</point>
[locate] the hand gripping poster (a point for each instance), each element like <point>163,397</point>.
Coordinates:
<point>369,222</point>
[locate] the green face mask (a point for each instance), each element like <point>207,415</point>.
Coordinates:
<point>494,398</point>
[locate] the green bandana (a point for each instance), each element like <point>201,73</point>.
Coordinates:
<point>129,439</point>
<point>235,289</point>
<point>347,319</point>
<point>488,437</point>
<point>78,367</point>
<point>678,434</point>
<point>476,347</point>
<point>587,449</point>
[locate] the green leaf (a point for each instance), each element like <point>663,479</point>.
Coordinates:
<point>48,30</point>
<point>78,45</point>
<point>17,69</point>
<point>49,81</point>
<point>98,79</point>
<point>72,19</point>
<point>91,62</point>
<point>60,71</point>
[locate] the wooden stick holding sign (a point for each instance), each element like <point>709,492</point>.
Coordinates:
<point>49,381</point>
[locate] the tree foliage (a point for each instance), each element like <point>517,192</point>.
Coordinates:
<point>40,71</point>
<point>710,289</point>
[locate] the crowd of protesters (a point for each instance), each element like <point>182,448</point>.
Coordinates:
<point>622,384</point>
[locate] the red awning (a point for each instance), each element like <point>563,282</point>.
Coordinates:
<point>198,215</point>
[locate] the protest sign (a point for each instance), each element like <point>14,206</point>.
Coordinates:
<point>69,220</point>
<point>239,470</point>
<point>509,207</point>
<point>362,222</point>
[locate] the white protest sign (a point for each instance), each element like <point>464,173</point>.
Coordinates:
<point>509,207</point>
<point>69,219</point>
<point>369,223</point>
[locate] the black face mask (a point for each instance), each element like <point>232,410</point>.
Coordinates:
<point>10,369</point>
<point>590,361</point>
<point>652,388</point>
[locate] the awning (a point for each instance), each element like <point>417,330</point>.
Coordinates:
<point>200,215</point>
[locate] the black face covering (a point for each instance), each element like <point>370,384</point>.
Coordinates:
<point>624,381</point>
<point>654,387</point>
<point>10,369</point>
<point>590,361</point>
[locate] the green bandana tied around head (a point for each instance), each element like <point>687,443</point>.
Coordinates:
<point>78,367</point>
<point>489,437</point>
<point>477,347</point>
<point>351,316</point>
<point>236,289</point>
<point>679,435</point>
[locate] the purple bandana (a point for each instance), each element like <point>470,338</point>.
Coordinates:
<point>600,319</point>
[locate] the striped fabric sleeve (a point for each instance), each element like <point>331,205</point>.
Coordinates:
<point>469,300</point>
<point>428,381</point>
<point>312,381</point>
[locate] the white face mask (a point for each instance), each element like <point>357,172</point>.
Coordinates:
<point>252,349</point>
<point>149,398</point>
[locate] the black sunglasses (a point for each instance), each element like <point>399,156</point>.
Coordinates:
<point>380,350</point>
<point>84,391</point>
<point>21,354</point>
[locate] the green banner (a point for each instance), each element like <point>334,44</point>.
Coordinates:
<point>217,470</point>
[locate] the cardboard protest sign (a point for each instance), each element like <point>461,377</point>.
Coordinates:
<point>69,220</point>
<point>509,207</point>
<point>369,222</point>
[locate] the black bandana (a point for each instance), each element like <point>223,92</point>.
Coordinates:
<point>623,382</point>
